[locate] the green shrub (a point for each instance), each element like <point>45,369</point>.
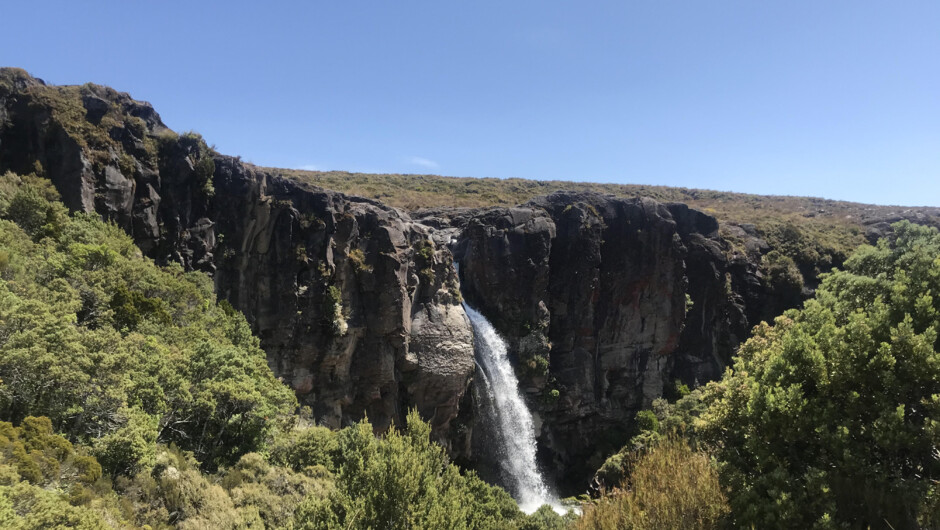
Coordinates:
<point>129,449</point>
<point>545,518</point>
<point>46,481</point>
<point>669,486</point>
<point>120,352</point>
<point>333,318</point>
<point>536,366</point>
<point>829,417</point>
<point>26,507</point>
<point>358,260</point>
<point>783,277</point>
<point>130,308</point>
<point>677,390</point>
<point>314,446</point>
<point>646,420</point>
<point>403,481</point>
<point>34,214</point>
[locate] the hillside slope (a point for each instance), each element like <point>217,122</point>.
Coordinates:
<point>605,297</point>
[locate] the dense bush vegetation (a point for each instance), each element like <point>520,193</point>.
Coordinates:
<point>668,486</point>
<point>117,352</point>
<point>831,417</point>
<point>401,481</point>
<point>46,483</point>
<point>348,479</point>
<point>168,413</point>
<point>833,414</point>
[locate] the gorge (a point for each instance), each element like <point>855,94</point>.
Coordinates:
<point>603,301</point>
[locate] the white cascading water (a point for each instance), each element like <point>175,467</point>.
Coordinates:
<point>510,419</point>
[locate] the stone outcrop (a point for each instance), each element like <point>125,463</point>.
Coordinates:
<point>356,307</point>
<point>590,292</point>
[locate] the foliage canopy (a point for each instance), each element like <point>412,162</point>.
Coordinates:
<point>830,417</point>
<point>169,413</point>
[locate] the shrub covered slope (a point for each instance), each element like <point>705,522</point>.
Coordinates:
<point>830,417</point>
<point>129,397</point>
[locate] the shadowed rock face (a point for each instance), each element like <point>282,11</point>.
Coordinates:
<point>603,302</point>
<point>616,298</point>
<point>717,321</point>
<point>355,306</point>
<point>353,303</point>
<point>597,287</point>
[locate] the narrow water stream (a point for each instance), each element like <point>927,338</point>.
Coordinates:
<point>508,417</point>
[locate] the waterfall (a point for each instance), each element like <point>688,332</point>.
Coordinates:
<point>509,418</point>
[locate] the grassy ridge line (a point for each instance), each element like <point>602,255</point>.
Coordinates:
<point>815,233</point>
<point>834,228</point>
<point>414,191</point>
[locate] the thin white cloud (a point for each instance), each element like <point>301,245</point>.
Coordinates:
<point>423,162</point>
<point>309,167</point>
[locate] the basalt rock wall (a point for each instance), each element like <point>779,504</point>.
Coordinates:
<point>356,307</point>
<point>603,302</point>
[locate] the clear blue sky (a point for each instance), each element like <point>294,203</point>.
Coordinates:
<point>839,99</point>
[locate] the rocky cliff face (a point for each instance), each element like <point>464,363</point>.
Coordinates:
<point>356,307</point>
<point>604,301</point>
